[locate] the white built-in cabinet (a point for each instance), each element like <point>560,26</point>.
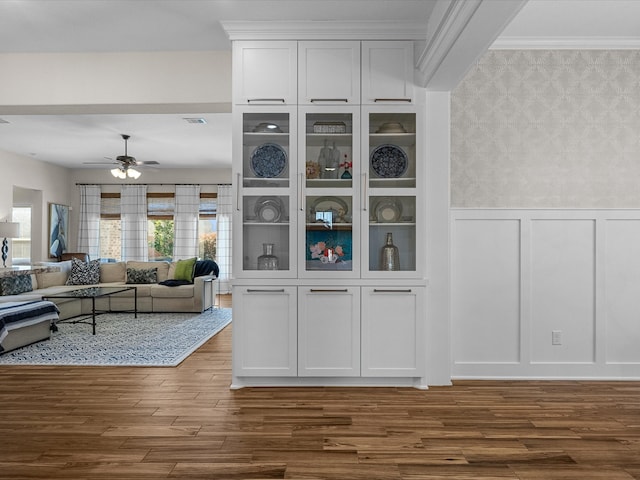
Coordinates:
<point>265,73</point>
<point>321,184</point>
<point>265,338</point>
<point>328,73</point>
<point>328,331</point>
<point>387,73</point>
<point>379,304</point>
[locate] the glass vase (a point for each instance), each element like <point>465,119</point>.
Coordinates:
<point>389,255</point>
<point>267,261</point>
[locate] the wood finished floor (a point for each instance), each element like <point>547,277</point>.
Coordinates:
<point>184,423</point>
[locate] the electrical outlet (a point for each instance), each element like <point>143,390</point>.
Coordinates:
<point>556,337</point>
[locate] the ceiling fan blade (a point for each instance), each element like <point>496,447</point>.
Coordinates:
<point>147,162</point>
<point>100,163</point>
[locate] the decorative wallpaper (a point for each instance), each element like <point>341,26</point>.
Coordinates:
<point>547,129</point>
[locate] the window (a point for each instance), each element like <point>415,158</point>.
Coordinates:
<point>160,208</point>
<point>21,246</point>
<point>208,227</point>
<point>110,227</point>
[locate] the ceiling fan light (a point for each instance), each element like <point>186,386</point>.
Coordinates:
<point>133,173</point>
<point>118,173</point>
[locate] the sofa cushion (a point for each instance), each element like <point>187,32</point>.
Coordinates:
<point>50,279</point>
<point>15,285</point>
<point>185,269</point>
<point>84,273</point>
<point>142,275</point>
<point>112,272</point>
<point>163,268</point>
<point>160,291</point>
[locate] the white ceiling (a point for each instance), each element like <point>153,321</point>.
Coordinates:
<point>178,25</point>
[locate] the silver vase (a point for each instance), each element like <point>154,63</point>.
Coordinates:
<point>389,255</point>
<point>267,261</point>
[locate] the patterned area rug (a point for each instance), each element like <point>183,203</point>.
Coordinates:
<point>152,339</point>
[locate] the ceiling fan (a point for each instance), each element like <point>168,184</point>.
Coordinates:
<point>126,163</point>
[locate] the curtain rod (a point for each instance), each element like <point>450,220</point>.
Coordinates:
<point>207,184</point>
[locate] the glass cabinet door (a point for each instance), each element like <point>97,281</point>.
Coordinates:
<point>391,138</point>
<point>264,216</point>
<point>266,149</point>
<point>266,229</point>
<point>392,233</point>
<point>393,219</point>
<point>329,235</point>
<point>329,146</point>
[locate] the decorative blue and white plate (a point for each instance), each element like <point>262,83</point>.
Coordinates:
<point>389,161</point>
<point>268,160</point>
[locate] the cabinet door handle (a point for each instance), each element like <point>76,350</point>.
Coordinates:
<point>328,290</point>
<point>382,290</point>
<point>408,100</point>
<point>265,290</point>
<point>301,192</point>
<point>364,192</point>
<point>342,100</point>
<point>237,192</point>
<point>268,100</point>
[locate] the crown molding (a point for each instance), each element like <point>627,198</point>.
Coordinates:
<point>324,30</point>
<point>566,43</point>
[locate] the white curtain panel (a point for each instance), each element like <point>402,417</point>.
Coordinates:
<point>185,221</point>
<point>133,217</point>
<point>89,222</point>
<point>223,216</point>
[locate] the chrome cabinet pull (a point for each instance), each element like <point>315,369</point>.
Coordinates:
<point>270,100</point>
<point>238,192</point>
<point>408,100</point>
<point>364,192</point>
<point>383,290</point>
<point>265,290</point>
<point>343,100</point>
<point>301,192</point>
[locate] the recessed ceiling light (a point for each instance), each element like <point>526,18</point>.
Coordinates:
<point>201,121</point>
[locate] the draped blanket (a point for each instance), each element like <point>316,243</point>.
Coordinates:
<point>22,314</point>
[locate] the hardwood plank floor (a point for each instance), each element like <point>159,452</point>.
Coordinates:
<point>184,423</point>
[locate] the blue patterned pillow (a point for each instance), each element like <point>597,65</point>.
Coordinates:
<point>84,273</point>
<point>16,285</point>
<point>142,275</point>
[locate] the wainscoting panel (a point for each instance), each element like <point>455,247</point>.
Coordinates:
<point>622,287</point>
<point>487,286</point>
<point>562,290</point>
<point>545,293</point>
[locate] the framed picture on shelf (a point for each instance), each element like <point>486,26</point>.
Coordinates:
<point>58,229</point>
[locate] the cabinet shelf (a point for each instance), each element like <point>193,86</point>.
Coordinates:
<point>402,182</point>
<point>400,139</point>
<point>266,224</point>
<point>258,138</point>
<point>318,139</point>
<point>335,226</point>
<point>329,182</point>
<point>392,224</point>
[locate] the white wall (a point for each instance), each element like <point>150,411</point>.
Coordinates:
<point>134,78</point>
<point>54,182</point>
<point>545,224</point>
<point>519,275</point>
